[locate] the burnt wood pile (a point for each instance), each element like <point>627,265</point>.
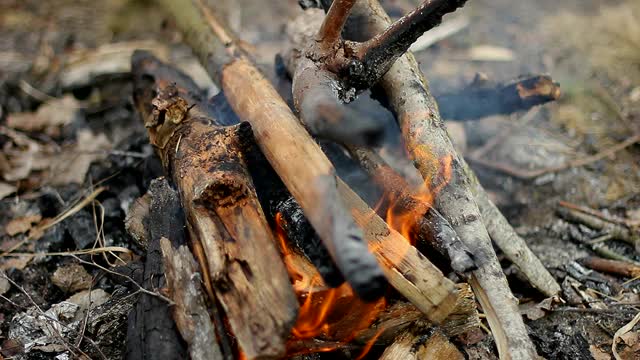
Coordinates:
<point>275,254</point>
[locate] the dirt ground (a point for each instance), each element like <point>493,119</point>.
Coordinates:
<point>70,135</point>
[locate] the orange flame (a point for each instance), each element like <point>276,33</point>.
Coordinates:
<point>336,315</point>
<point>406,208</point>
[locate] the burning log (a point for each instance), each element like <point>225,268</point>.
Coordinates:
<point>224,217</point>
<point>483,98</point>
<point>425,139</point>
<point>407,269</point>
<point>299,162</point>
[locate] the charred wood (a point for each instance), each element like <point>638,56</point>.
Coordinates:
<point>407,94</point>
<point>481,98</point>
<point>151,330</point>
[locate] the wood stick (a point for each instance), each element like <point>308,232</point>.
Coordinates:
<point>612,266</point>
<point>426,140</point>
<point>294,155</point>
<point>615,230</point>
<point>482,98</point>
<point>206,163</point>
<point>382,50</point>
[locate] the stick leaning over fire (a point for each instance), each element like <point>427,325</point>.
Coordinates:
<point>304,168</point>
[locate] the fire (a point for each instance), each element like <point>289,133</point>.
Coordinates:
<point>405,207</point>
<point>334,315</point>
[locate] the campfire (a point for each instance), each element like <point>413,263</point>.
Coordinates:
<point>295,260</point>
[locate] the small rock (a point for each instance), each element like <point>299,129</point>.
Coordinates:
<point>71,278</point>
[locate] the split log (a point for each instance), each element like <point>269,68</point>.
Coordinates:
<point>406,269</point>
<point>484,98</point>
<point>151,330</point>
<point>299,162</point>
<point>254,99</point>
<point>415,344</point>
<point>224,218</point>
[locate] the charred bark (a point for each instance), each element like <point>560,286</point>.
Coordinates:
<point>151,330</point>
<point>482,98</point>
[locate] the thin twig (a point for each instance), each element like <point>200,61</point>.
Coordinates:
<point>140,287</point>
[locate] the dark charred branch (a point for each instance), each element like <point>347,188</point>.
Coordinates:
<point>229,232</point>
<point>301,234</point>
<point>380,52</point>
<point>151,330</point>
<point>299,162</point>
<point>481,98</point>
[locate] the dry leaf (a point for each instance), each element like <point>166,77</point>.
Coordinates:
<point>72,164</point>
<point>539,310</point>
<point>22,224</point>
<point>598,353</point>
<point>17,263</point>
<point>72,278</point>
<point>6,189</point>
<point>623,330</point>
<point>19,154</point>
<point>49,117</point>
